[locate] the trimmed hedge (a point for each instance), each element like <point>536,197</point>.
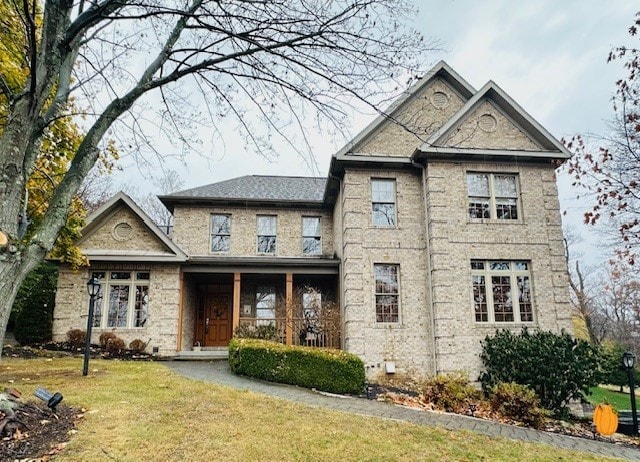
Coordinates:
<point>334,371</point>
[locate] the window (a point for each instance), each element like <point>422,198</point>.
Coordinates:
<point>265,305</point>
<point>127,301</point>
<point>311,240</point>
<point>492,195</point>
<point>386,293</point>
<point>311,306</point>
<point>266,234</point>
<point>383,202</point>
<point>501,291</point>
<point>220,233</point>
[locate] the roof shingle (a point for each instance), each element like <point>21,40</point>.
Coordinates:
<point>259,188</point>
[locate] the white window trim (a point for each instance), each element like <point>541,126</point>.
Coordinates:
<point>395,202</point>
<point>304,235</point>
<point>212,233</point>
<point>513,274</point>
<point>275,235</point>
<point>375,296</point>
<point>492,198</point>
<point>102,303</point>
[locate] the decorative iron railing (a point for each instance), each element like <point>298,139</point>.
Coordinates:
<point>324,334</point>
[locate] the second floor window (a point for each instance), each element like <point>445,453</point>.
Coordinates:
<point>220,233</point>
<point>266,234</point>
<point>493,195</point>
<point>383,202</point>
<point>311,240</point>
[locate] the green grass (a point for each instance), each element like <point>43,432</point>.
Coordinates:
<point>143,411</point>
<point>614,398</point>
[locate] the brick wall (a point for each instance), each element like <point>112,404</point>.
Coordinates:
<point>192,228</point>
<point>72,303</point>
<point>505,135</point>
<point>455,240</point>
<point>418,119</point>
<point>405,343</point>
<point>138,238</point>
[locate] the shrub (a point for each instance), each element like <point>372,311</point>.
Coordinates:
<point>263,332</point>
<point>557,367</point>
<point>449,392</point>
<point>137,346</point>
<point>104,339</point>
<point>517,402</point>
<point>76,338</point>
<point>114,345</point>
<point>334,371</point>
<point>33,307</point>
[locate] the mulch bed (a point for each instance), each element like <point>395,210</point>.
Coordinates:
<point>40,433</point>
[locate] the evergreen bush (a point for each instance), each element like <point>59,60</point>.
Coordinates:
<point>557,367</point>
<point>34,304</point>
<point>334,371</point>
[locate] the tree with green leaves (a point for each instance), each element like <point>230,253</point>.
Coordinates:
<point>258,64</point>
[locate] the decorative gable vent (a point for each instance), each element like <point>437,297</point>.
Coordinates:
<point>439,100</point>
<point>122,231</point>
<point>487,123</point>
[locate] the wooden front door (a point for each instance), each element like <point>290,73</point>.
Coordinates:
<point>217,327</point>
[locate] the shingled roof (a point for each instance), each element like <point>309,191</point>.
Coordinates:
<point>254,188</point>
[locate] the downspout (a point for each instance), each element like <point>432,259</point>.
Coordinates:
<point>434,368</point>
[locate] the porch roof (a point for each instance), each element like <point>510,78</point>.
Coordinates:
<point>270,265</point>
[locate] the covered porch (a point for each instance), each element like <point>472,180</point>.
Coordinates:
<point>292,304</point>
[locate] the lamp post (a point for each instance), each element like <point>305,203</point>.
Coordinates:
<point>93,287</point>
<point>628,361</point>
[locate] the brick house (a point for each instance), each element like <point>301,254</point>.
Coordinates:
<point>431,231</point>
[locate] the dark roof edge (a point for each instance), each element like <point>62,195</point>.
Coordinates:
<point>171,201</point>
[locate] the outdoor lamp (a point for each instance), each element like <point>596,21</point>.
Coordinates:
<point>628,361</point>
<point>93,287</point>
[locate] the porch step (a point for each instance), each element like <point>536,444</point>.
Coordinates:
<point>206,354</point>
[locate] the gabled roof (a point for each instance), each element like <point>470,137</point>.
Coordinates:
<point>259,189</point>
<point>549,146</point>
<point>441,70</point>
<point>108,209</point>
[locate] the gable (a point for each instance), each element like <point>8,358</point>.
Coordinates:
<point>487,127</point>
<point>404,126</point>
<point>423,115</point>
<point>121,231</point>
<point>492,126</point>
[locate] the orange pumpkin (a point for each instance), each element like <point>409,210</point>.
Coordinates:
<point>605,420</point>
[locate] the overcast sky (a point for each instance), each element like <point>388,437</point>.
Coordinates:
<point>549,55</point>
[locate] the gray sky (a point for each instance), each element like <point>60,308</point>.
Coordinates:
<point>549,55</point>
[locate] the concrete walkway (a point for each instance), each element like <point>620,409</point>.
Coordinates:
<point>218,372</point>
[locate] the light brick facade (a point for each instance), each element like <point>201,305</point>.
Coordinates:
<point>432,241</point>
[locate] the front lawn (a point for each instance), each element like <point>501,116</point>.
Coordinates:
<point>143,411</point>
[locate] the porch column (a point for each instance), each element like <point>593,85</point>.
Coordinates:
<point>180,313</point>
<point>289,303</point>
<point>235,318</point>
